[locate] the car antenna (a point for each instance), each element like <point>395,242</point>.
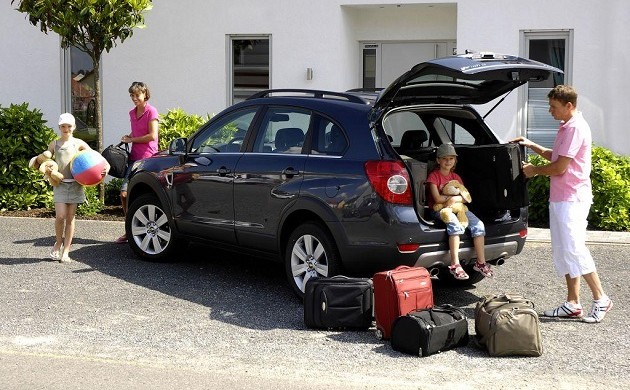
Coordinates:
<point>499,102</point>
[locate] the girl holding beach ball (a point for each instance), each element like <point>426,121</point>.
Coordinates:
<point>71,154</point>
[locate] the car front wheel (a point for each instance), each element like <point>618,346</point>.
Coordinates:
<point>310,253</point>
<point>149,232</point>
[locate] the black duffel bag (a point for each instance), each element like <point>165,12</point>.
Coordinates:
<point>425,332</point>
<point>117,156</point>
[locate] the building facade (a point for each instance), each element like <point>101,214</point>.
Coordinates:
<point>203,55</point>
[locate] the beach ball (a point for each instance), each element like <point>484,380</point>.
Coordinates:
<point>87,166</point>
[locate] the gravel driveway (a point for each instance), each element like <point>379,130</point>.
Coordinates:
<point>213,319</point>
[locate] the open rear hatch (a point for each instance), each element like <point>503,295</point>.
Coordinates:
<point>462,79</point>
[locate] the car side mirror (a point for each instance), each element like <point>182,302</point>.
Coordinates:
<point>177,146</point>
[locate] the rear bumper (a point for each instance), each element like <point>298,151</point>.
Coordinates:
<point>504,248</point>
<point>368,258</point>
<point>377,249</point>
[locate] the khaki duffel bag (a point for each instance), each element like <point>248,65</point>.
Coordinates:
<point>507,325</point>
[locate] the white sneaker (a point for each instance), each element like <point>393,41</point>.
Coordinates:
<point>598,310</point>
<point>567,309</point>
<point>65,259</point>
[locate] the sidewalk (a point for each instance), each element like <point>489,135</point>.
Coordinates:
<point>592,236</point>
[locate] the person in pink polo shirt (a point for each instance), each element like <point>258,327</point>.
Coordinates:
<point>570,199</point>
<point>143,137</point>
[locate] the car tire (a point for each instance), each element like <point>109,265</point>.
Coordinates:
<point>474,277</point>
<point>149,231</point>
<point>310,252</point>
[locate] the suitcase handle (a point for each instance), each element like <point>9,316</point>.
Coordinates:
<point>400,267</point>
<point>448,308</point>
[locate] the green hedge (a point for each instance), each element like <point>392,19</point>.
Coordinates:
<point>23,134</point>
<point>178,124</point>
<point>610,179</point>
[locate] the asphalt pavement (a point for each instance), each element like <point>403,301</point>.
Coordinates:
<point>216,320</point>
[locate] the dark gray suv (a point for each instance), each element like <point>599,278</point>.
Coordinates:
<point>331,182</point>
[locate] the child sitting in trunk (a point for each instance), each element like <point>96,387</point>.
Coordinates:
<point>442,174</point>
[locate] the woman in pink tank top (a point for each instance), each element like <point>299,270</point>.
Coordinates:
<point>143,137</point>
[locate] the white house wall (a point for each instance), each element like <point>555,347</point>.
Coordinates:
<point>600,55</point>
<point>182,52</point>
<point>29,64</point>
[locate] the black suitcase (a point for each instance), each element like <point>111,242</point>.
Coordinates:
<point>338,302</point>
<point>425,332</point>
<point>117,157</point>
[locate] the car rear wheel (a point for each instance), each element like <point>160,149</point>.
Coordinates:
<point>310,253</point>
<point>148,229</point>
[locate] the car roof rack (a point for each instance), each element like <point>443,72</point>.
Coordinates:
<point>375,90</point>
<point>368,94</point>
<point>307,93</point>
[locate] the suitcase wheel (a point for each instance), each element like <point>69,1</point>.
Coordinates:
<point>379,334</point>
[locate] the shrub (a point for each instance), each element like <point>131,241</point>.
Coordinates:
<point>92,203</point>
<point>112,192</point>
<point>610,178</point>
<point>611,191</point>
<point>177,124</point>
<point>23,134</point>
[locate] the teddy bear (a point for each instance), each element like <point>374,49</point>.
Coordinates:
<point>458,209</point>
<point>48,167</point>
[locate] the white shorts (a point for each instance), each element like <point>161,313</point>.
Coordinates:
<point>567,223</point>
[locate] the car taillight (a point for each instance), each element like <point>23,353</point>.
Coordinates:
<point>408,247</point>
<point>390,180</point>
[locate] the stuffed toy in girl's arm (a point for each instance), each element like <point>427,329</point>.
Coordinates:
<point>48,167</point>
<point>458,209</point>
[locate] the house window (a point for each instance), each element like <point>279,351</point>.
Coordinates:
<point>369,66</point>
<point>553,48</point>
<point>249,59</point>
<point>79,92</point>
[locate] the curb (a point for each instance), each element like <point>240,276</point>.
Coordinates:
<point>593,237</point>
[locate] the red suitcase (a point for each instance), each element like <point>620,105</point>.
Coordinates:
<point>397,292</point>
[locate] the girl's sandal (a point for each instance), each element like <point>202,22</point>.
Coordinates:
<point>458,272</point>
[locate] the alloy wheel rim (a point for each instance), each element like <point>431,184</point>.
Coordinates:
<point>150,229</point>
<point>308,260</point>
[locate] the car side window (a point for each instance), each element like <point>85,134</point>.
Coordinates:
<point>225,134</point>
<point>398,123</point>
<point>456,134</point>
<point>282,130</point>
<point>328,138</point>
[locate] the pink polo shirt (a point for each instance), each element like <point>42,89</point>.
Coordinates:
<point>140,127</point>
<point>573,140</point>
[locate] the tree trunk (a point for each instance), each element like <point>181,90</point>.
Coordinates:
<point>99,116</point>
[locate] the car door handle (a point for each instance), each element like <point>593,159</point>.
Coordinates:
<point>223,171</point>
<point>290,172</point>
